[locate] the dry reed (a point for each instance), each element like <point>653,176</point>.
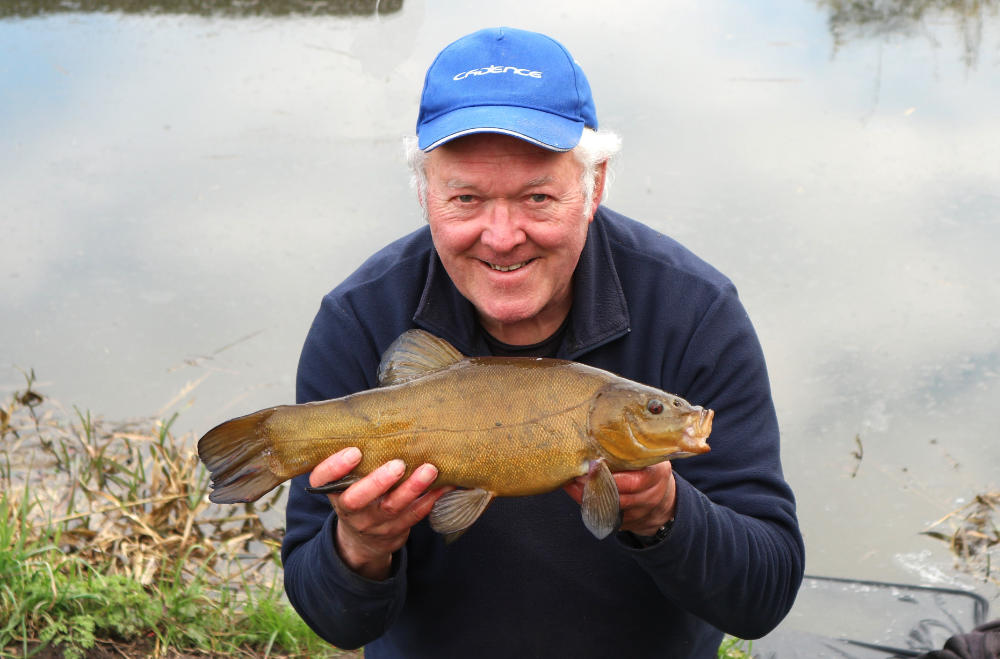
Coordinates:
<point>973,535</point>
<point>128,500</point>
<point>128,495</point>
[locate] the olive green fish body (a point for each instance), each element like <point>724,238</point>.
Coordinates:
<point>492,426</point>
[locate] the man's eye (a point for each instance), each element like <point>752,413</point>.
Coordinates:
<point>465,198</point>
<point>539,198</point>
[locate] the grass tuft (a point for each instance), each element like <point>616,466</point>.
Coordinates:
<point>735,648</point>
<point>107,537</point>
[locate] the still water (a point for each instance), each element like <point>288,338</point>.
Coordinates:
<point>181,181</point>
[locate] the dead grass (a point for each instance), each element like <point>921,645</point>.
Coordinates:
<point>973,535</point>
<point>128,494</point>
<point>95,513</point>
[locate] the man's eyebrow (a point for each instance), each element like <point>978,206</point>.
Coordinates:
<point>533,183</point>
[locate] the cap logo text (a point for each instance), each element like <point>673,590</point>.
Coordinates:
<point>498,69</point>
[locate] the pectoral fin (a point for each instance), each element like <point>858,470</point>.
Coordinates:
<point>457,510</point>
<point>601,514</point>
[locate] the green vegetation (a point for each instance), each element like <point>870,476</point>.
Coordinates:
<point>107,539</point>
<point>110,547</point>
<point>734,648</point>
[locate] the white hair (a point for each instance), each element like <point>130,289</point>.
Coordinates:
<point>596,147</point>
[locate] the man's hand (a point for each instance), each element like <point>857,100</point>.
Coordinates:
<point>648,497</point>
<point>372,521</point>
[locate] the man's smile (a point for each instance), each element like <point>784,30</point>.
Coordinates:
<point>507,268</point>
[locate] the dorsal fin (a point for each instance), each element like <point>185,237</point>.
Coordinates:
<point>414,354</point>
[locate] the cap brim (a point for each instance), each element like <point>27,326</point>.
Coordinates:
<point>544,129</point>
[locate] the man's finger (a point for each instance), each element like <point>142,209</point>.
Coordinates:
<point>642,479</point>
<point>408,491</point>
<point>372,486</point>
<point>422,506</point>
<point>335,467</point>
<point>643,501</point>
<point>574,488</point>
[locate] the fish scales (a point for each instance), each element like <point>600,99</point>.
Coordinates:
<point>492,426</point>
<point>514,427</point>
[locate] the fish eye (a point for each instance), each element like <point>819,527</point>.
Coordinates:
<point>654,406</point>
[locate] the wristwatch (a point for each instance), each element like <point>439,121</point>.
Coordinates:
<point>650,540</point>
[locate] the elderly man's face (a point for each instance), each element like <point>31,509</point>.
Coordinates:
<point>507,221</point>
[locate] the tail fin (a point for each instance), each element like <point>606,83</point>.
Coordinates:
<point>237,459</point>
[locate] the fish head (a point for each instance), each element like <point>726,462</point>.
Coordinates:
<point>636,426</point>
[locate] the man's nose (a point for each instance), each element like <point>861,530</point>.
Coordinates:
<point>503,230</point>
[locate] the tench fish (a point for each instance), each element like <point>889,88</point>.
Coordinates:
<point>493,426</point>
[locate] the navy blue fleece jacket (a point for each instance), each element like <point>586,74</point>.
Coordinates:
<point>527,579</point>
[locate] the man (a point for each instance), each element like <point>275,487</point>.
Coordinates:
<point>517,258</point>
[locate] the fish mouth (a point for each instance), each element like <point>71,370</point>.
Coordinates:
<point>691,442</point>
<point>701,427</point>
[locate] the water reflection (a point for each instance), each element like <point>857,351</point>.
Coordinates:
<point>231,8</point>
<point>170,187</point>
<point>859,19</point>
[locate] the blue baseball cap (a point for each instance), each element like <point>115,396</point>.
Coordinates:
<point>504,80</point>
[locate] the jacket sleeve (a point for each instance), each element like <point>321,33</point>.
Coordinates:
<point>734,556</point>
<point>342,607</point>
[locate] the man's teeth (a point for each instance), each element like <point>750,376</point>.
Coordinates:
<point>507,268</point>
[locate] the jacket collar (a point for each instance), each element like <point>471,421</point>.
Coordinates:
<point>599,313</point>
